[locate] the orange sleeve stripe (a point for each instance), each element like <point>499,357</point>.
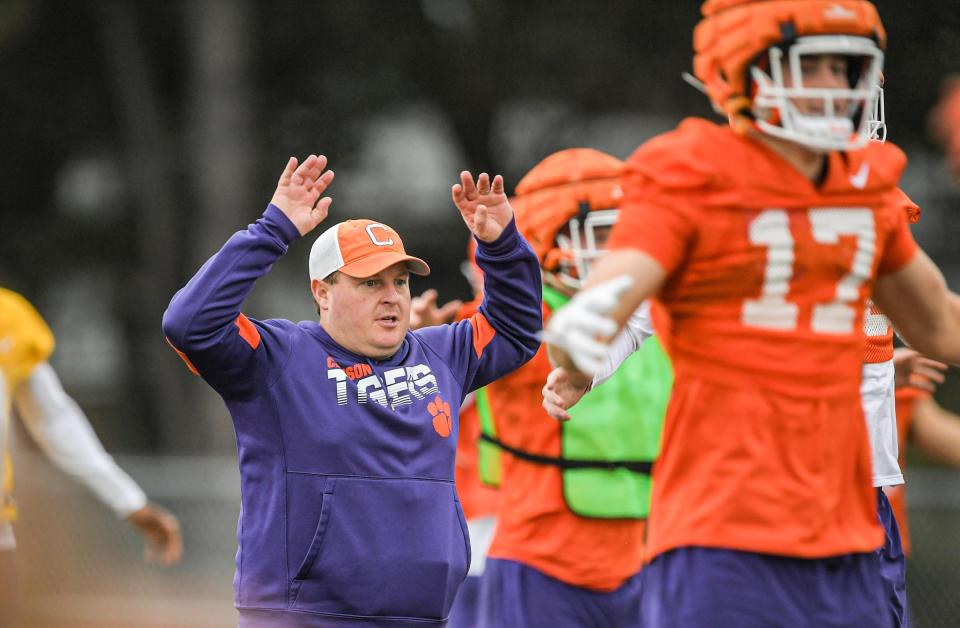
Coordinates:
<point>185,359</point>
<point>248,331</point>
<point>483,332</point>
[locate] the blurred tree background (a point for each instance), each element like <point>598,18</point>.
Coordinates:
<point>135,137</point>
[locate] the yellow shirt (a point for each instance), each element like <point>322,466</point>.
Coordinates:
<point>25,342</point>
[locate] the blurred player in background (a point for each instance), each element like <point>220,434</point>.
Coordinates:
<point>921,423</point>
<point>763,240</point>
<point>30,385</point>
<point>349,514</point>
<point>568,545</point>
<point>944,122</point>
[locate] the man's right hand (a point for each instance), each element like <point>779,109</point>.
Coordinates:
<point>562,391</point>
<point>299,189</point>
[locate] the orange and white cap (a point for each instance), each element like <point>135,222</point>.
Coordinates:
<point>360,248</point>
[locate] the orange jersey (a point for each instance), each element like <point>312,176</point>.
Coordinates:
<point>878,336</point>
<point>877,329</point>
<point>535,526</point>
<point>906,398</point>
<point>764,446</point>
<point>477,499</point>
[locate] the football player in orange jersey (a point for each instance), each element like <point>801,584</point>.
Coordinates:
<point>568,545</point>
<point>569,536</point>
<point>921,422</point>
<point>763,239</point>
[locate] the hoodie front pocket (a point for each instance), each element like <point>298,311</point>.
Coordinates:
<point>316,541</point>
<point>308,560</point>
<point>385,548</point>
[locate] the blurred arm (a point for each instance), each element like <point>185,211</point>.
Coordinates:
<point>925,313</point>
<point>64,434</point>
<point>646,275</point>
<point>565,388</point>
<point>936,432</point>
<point>638,328</point>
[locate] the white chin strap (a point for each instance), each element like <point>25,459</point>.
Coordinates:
<point>832,130</point>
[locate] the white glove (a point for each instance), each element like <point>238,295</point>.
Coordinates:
<point>583,327</point>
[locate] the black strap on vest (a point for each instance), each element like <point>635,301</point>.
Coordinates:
<point>637,466</point>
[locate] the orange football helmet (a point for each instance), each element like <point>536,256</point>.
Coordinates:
<point>561,206</point>
<point>748,55</point>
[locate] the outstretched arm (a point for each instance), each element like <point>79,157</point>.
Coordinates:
<point>936,431</point>
<point>64,434</point>
<point>565,388</point>
<point>924,312</point>
<point>578,334</point>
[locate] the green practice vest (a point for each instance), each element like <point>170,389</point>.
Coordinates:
<point>611,441</point>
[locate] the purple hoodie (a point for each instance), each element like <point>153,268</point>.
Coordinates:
<point>349,514</point>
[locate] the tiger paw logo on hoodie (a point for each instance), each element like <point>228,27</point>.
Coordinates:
<point>442,421</point>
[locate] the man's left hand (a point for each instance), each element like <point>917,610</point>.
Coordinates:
<point>483,205</point>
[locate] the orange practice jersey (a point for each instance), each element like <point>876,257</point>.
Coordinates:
<point>906,399</point>
<point>877,329</point>
<point>535,527</point>
<point>878,336</point>
<point>764,447</point>
<point>477,499</point>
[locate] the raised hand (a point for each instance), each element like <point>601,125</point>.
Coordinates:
<point>299,189</point>
<point>425,313</point>
<point>162,533</point>
<point>483,206</point>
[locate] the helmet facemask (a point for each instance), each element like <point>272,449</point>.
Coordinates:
<point>844,116</point>
<point>878,119</point>
<point>581,244</point>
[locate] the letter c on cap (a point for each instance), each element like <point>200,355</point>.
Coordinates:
<point>373,238</point>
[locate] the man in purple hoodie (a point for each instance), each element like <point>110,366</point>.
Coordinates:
<point>347,427</point>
